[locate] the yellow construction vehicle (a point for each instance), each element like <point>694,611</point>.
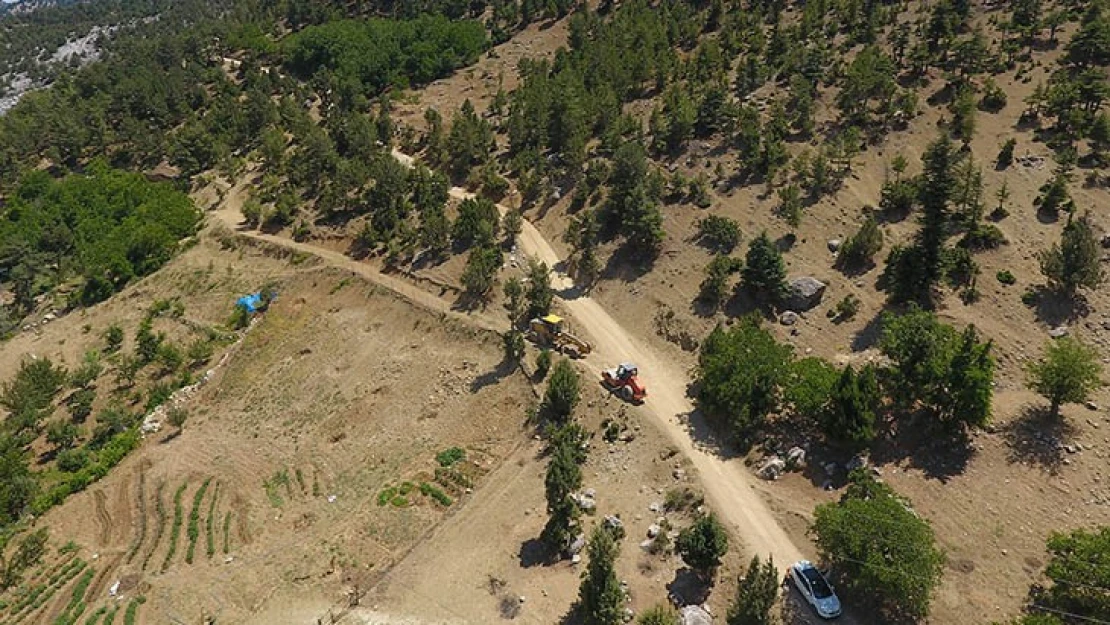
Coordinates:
<point>548,331</point>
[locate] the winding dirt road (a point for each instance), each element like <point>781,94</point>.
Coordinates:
<point>727,484</point>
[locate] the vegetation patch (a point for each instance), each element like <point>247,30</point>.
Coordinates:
<point>448,457</point>
<point>175,529</point>
<point>194,520</point>
<point>160,527</point>
<point>210,521</point>
<point>138,542</point>
<point>429,490</point>
<point>133,610</point>
<point>272,485</point>
<point>227,532</point>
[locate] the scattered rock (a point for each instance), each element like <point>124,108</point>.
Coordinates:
<point>577,545</point>
<point>628,615</point>
<point>1091,405</point>
<point>858,462</point>
<point>834,245</point>
<point>696,615</point>
<point>585,503</point>
<point>679,474</point>
<point>1106,241</point>
<point>590,492</point>
<point>805,293</point>
<point>576,558</point>
<point>795,458</point>
<point>614,522</point>
<point>788,318</point>
<point>772,468</point>
<point>1071,449</point>
<point>653,530</point>
<point>655,506</point>
<point>827,485</point>
<point>1058,332</point>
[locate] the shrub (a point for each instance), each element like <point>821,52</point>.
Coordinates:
<point>847,308</point>
<point>703,544</point>
<point>1005,277</point>
<point>429,490</point>
<point>1006,153</point>
<point>862,246</point>
<point>720,234</point>
<point>1075,262</point>
<point>543,363</point>
<point>809,385</point>
<point>175,529</point>
<point>983,237</point>
<point>194,521</point>
<point>898,197</point>
<point>73,460</point>
<point>659,614</point>
<point>449,457</point>
<point>714,288</point>
<point>113,338</point>
<point>994,98</point>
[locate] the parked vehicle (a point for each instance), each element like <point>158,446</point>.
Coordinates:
<point>815,589</point>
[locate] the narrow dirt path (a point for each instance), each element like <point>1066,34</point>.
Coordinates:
<point>230,214</point>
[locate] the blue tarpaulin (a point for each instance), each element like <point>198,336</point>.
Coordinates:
<point>252,302</point>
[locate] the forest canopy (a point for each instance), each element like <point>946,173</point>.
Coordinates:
<point>366,56</point>
<point>107,226</point>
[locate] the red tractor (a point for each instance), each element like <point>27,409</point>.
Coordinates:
<point>623,382</point>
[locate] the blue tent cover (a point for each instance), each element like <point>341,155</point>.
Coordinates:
<point>252,302</point>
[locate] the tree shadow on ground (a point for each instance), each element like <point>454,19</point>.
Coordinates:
<point>868,336</point>
<point>707,436</point>
<point>533,552</point>
<point>689,588</point>
<point>1053,308</point>
<point>625,266</point>
<point>504,369</point>
<point>1037,438</point>
<point>925,445</point>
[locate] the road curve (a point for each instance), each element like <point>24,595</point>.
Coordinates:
<point>728,485</point>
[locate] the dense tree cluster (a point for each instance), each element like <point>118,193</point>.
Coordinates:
<point>106,226</point>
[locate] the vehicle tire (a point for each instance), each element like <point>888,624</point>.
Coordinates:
<point>626,393</point>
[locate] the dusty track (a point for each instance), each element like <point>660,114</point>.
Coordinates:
<point>726,483</point>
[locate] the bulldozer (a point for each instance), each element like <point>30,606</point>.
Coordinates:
<point>624,382</point>
<point>548,331</point>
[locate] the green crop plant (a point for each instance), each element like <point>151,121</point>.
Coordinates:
<point>194,521</point>
<point>175,529</point>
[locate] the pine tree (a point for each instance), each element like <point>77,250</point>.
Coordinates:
<point>756,594</point>
<point>540,292</point>
<point>935,190</point>
<point>562,392</point>
<point>966,400</point>
<point>849,418</point>
<point>1074,263</point>
<point>564,476</point>
<point>600,596</point>
<point>764,271</point>
<point>1067,374</point>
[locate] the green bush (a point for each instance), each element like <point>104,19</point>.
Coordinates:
<point>1005,277</point>
<point>847,308</point>
<point>175,529</point>
<point>209,523</point>
<point>719,234</point>
<point>1006,153</point>
<point>860,248</point>
<point>194,521</point>
<point>428,490</point>
<point>73,460</point>
<point>703,544</point>
<point>449,457</point>
<point>543,363</point>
